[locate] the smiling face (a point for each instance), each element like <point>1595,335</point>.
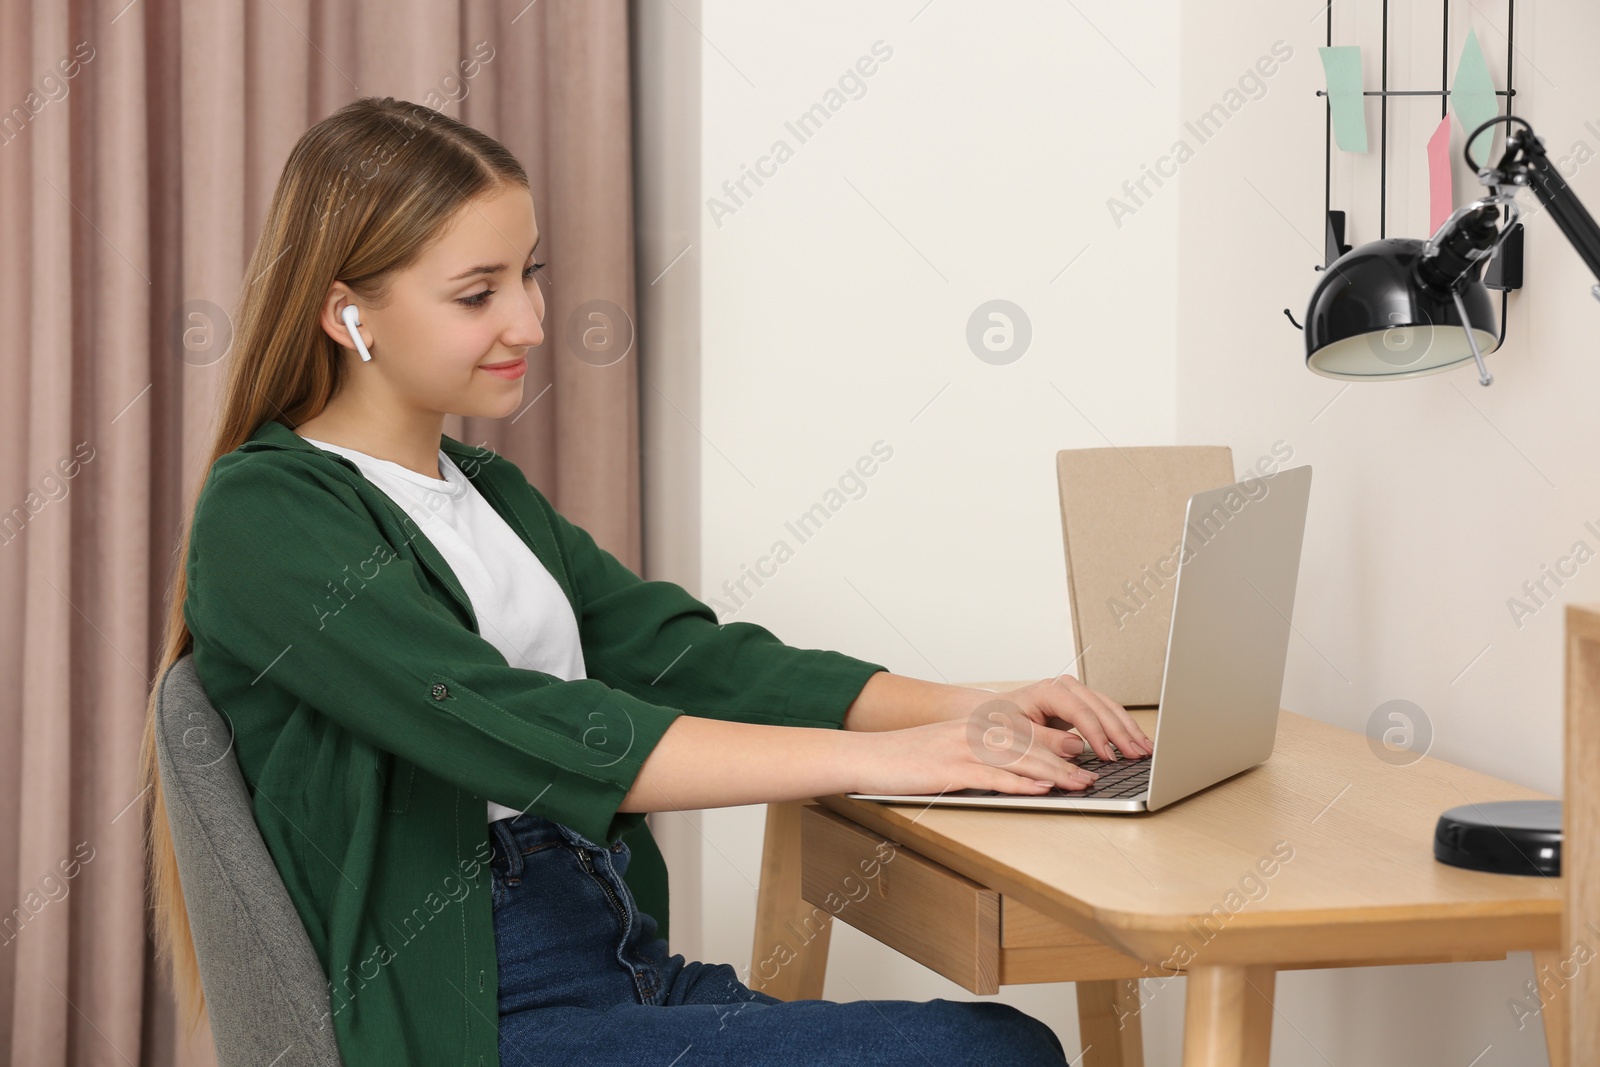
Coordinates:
<point>470,301</point>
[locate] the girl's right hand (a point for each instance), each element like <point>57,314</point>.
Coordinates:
<point>996,749</point>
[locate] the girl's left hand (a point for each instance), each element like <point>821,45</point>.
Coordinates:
<point>1060,702</point>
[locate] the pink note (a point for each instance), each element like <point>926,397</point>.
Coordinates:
<point>1441,193</point>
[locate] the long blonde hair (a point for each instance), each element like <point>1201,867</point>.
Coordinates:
<point>361,195</point>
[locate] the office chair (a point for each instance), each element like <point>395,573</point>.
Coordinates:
<point>266,992</point>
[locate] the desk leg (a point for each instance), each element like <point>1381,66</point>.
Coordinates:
<point>1552,1008</point>
<point>790,957</point>
<point>1227,1018</point>
<point>1108,1023</point>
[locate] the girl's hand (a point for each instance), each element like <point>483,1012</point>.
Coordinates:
<point>996,747</point>
<point>1065,701</point>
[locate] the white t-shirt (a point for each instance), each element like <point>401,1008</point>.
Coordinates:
<point>521,609</point>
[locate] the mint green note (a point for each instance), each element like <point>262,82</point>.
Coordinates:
<point>1342,65</point>
<point>1472,97</point>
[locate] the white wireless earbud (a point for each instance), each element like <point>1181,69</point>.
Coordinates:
<point>351,316</point>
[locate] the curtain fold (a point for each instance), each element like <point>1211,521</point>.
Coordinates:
<point>139,147</point>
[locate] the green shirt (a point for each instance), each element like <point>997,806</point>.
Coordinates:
<point>372,723</point>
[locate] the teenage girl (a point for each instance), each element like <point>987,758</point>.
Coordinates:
<point>408,639</point>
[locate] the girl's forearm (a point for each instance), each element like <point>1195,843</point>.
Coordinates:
<point>896,702</point>
<point>714,763</point>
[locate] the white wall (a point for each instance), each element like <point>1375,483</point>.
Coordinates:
<point>828,311</point>
<point>666,99</point>
<point>1433,500</point>
<point>972,164</point>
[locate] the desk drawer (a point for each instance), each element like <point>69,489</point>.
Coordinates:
<point>943,920</point>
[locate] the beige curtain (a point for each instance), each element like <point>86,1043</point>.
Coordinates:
<point>139,146</point>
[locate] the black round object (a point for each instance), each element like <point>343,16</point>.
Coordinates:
<point>1501,837</point>
<point>1373,290</point>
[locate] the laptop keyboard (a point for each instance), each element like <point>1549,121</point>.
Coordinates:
<point>1118,779</point>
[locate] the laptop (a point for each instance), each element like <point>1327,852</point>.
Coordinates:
<point>1223,677</point>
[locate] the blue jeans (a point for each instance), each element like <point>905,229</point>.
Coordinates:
<point>585,979</point>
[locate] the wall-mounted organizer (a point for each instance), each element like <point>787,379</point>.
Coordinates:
<point>1504,270</point>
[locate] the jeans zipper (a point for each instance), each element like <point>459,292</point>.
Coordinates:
<point>622,914</point>
<point>616,903</point>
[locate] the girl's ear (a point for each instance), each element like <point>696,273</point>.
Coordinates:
<point>341,320</point>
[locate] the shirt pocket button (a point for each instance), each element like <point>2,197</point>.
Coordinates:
<point>440,691</point>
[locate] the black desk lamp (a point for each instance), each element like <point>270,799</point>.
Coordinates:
<point>1402,308</point>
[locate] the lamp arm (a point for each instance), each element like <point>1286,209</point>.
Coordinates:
<point>1525,163</point>
<point>1564,206</point>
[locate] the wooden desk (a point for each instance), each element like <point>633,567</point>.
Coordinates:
<point>1320,857</point>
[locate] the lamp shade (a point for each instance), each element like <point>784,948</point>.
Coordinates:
<point>1371,318</point>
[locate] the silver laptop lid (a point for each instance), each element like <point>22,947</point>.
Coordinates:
<point>1223,679</point>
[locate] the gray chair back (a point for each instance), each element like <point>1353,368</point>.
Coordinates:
<point>266,992</point>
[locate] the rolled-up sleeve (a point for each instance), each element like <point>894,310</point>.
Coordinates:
<point>289,575</point>
<point>654,640</point>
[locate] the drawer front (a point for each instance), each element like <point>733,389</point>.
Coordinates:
<point>943,920</point>
<point>1037,948</point>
